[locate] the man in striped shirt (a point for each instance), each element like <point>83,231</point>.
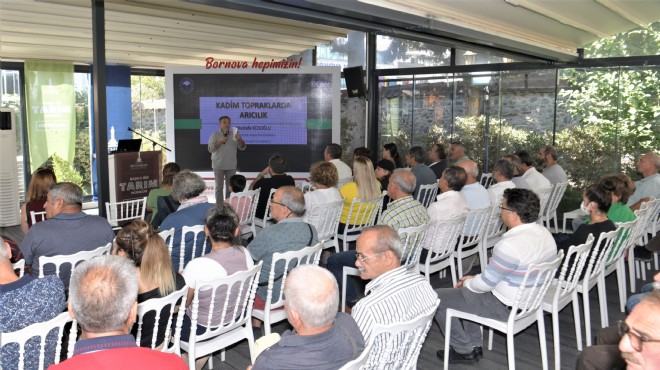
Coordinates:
<point>394,293</point>
<point>491,293</point>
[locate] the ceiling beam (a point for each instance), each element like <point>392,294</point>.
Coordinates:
<point>623,12</point>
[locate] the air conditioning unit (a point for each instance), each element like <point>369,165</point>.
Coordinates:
<point>9,206</point>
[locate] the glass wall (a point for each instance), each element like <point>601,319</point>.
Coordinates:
<point>148,104</point>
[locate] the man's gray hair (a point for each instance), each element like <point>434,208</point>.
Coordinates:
<point>187,185</point>
<point>404,179</point>
<point>655,159</point>
<point>3,250</point>
<point>293,199</point>
<point>387,240</point>
<point>102,292</point>
<point>505,168</point>
<point>312,292</point>
<point>69,192</point>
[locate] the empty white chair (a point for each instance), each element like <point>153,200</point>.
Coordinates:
<point>223,330</point>
<point>563,291</point>
<point>120,213</point>
<point>168,238</point>
<point>155,310</point>
<point>396,345</point>
<point>325,219</point>
<point>19,267</point>
<point>360,215</point>
<point>267,219</point>
<point>426,194</point>
<point>245,205</point>
<point>37,216</point>
<point>412,239</point>
<point>550,212</point>
<point>544,198</point>
<point>648,218</point>
<point>198,248</point>
<point>41,330</point>
<point>442,238</point>
<point>273,311</point>
<point>526,310</point>
<point>615,261</point>
<point>486,180</point>
<point>470,238</point>
<point>71,259</point>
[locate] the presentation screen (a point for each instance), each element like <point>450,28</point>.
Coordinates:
<point>293,112</point>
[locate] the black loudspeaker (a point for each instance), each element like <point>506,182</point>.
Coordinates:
<point>354,82</point>
<point>5,120</point>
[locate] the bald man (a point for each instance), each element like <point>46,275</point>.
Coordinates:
<point>649,186</point>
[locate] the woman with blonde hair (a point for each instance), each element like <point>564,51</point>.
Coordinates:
<point>139,242</point>
<point>41,181</point>
<point>365,187</point>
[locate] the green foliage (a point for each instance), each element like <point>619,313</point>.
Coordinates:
<point>147,88</point>
<point>81,160</point>
<point>64,171</point>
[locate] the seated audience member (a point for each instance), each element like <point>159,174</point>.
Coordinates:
<point>102,300</point>
<point>530,174</point>
<point>365,187</point>
<point>26,301</point>
<point>449,204</point>
<point>272,177</point>
<point>552,171</point>
<point>491,293</point>
<point>68,230</point>
<point>321,337</point>
<point>457,152</point>
<point>649,186</point>
<point>391,153</point>
<point>362,152</point>
<point>169,171</point>
<point>394,294</point>
<point>517,171</point>
<point>187,188</point>
<point>227,257</point>
<point>596,201</point>
<point>438,158</point>
<point>237,185</point>
<point>384,169</point>
<point>620,187</point>
<point>41,181</point>
<point>332,154</point>
<point>502,174</point>
<point>324,177</point>
<point>139,243</point>
<point>290,233</point>
<point>422,172</point>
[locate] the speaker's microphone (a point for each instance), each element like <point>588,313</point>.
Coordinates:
<point>225,133</point>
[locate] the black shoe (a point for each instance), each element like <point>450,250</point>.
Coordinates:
<point>643,254</point>
<point>480,351</point>
<point>460,358</point>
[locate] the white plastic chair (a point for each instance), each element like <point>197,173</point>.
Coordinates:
<point>396,345</point>
<point>412,240</point>
<point>19,267</point>
<point>615,261</point>
<point>470,238</point>
<point>168,238</point>
<point>267,219</point>
<point>648,216</point>
<point>427,194</point>
<point>37,216</point>
<point>486,180</point>
<point>325,219</point>
<point>594,269</point>
<point>71,259</point>
<point>549,213</point>
<point>492,233</point>
<point>525,310</point>
<point>442,236</point>
<point>222,331</point>
<point>245,205</point>
<point>544,198</point>
<point>164,308</point>
<point>360,215</point>
<point>120,213</point>
<point>41,331</point>
<point>563,291</point>
<point>272,312</point>
<point>197,250</point>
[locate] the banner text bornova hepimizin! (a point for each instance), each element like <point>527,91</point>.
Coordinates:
<point>279,64</point>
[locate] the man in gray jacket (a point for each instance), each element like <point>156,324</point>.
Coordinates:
<point>222,146</point>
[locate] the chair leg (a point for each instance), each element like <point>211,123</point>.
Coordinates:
<point>509,351</point>
<point>602,301</point>
<point>621,280</point>
<point>459,262</point>
<point>490,338</point>
<point>452,271</point>
<point>631,267</point>
<point>587,317</point>
<point>542,343</point>
<point>555,334</point>
<point>447,336</point>
<point>576,319</point>
<point>655,260</point>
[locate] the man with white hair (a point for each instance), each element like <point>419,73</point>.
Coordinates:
<point>476,197</point>
<point>103,299</point>
<point>321,337</point>
<point>25,301</point>
<point>648,165</point>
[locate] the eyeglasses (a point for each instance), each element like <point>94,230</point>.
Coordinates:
<point>506,209</point>
<point>362,259</point>
<point>636,340</point>
<point>281,204</point>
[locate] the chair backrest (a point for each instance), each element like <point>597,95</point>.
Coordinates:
<point>325,218</point>
<point>197,250</point>
<point>363,214</point>
<point>121,212</point>
<point>71,259</point>
<point>621,242</point>
<point>474,228</point>
<point>442,237</point>
<point>305,186</point>
<point>596,263</point>
<point>233,294</point>
<point>245,205</point>
<point>486,180</point>
<point>494,225</point>
<point>544,198</point>
<point>575,260</point>
<point>19,267</point>
<point>555,197</point>
<point>645,218</point>
<point>267,215</point>
<point>427,194</point>
<point>41,331</point>
<point>533,287</point>
<point>397,345</point>
<point>412,239</point>
<point>168,238</point>
<point>37,216</point>
<point>289,260</point>
<point>160,312</point>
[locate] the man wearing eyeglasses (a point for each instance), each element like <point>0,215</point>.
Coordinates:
<point>640,341</point>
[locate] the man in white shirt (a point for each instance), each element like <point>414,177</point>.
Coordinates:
<point>551,169</point>
<point>332,154</point>
<point>649,186</point>
<point>475,195</point>
<point>502,173</point>
<point>530,174</point>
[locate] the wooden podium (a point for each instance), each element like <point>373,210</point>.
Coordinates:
<point>133,174</point>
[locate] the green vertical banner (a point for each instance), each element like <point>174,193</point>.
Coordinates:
<point>51,113</point>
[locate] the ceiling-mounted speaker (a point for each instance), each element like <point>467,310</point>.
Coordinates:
<point>355,82</point>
